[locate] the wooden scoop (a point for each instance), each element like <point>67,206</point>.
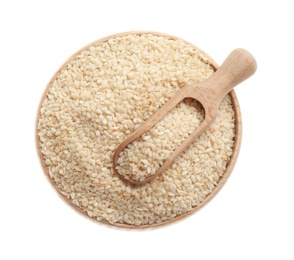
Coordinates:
<point>237,67</point>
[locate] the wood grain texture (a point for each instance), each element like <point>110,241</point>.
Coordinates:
<point>237,67</point>
<point>221,182</point>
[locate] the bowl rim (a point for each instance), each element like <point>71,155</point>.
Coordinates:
<point>217,188</point>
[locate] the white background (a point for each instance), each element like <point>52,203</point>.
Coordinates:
<point>251,218</point>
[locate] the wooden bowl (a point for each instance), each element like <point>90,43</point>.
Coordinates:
<point>221,182</point>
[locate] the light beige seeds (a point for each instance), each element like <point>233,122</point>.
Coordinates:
<point>144,156</point>
<point>104,94</point>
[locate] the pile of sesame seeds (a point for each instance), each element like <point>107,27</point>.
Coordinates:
<point>102,95</point>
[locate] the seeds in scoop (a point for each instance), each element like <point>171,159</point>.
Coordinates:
<point>144,156</point>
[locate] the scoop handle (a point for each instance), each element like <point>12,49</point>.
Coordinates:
<point>237,67</point>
